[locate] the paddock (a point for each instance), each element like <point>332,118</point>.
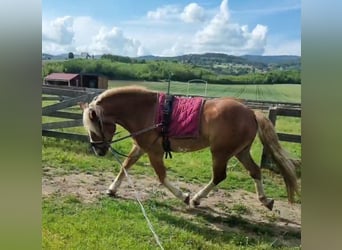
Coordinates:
<point>74,181</point>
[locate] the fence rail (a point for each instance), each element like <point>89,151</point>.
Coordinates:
<point>68,97</point>
<point>257,104</point>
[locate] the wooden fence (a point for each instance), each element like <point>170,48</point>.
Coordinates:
<point>67,97</point>
<point>266,161</point>
<point>253,104</point>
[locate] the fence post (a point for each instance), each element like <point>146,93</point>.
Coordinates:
<point>266,161</point>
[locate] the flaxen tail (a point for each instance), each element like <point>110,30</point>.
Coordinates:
<point>286,165</point>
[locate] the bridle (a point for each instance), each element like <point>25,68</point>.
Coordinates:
<point>109,142</point>
<point>104,141</point>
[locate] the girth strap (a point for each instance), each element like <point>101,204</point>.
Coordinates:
<point>167,112</point>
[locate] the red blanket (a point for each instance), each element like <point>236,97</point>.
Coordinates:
<point>185,118</point>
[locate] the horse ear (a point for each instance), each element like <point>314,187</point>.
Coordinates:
<point>83,105</point>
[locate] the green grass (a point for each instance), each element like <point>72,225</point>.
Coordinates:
<point>119,224</point>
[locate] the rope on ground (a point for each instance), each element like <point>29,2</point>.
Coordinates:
<point>137,197</point>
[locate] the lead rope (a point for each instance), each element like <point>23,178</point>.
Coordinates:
<point>137,198</point>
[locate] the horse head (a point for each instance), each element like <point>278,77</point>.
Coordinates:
<point>99,130</point>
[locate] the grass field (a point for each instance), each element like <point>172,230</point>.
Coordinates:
<point>70,223</point>
<point>275,92</point>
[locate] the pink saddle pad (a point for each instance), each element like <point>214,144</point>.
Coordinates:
<point>185,118</point>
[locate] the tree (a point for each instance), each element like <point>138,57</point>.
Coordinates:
<point>71,55</point>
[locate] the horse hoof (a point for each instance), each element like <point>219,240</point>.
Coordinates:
<point>111,193</point>
<point>270,204</point>
<point>187,199</point>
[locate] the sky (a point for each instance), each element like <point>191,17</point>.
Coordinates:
<point>171,27</point>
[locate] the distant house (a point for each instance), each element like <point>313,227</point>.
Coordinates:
<point>77,80</point>
<point>85,55</point>
<point>46,57</point>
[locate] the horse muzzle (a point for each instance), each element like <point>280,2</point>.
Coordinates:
<point>99,149</point>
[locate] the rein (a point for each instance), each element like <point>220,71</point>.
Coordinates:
<point>93,143</point>
<point>137,133</point>
<point>137,196</point>
<point>115,154</point>
<point>131,135</point>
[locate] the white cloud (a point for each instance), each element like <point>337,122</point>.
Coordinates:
<point>59,31</point>
<point>85,29</point>
<point>84,34</point>
<point>168,30</point>
<point>165,12</point>
<point>221,35</point>
<point>173,34</point>
<point>180,46</point>
<point>113,41</point>
<point>192,13</point>
<point>58,35</point>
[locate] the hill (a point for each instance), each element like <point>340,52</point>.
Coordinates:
<point>272,59</point>
<point>287,62</point>
<point>233,65</point>
<point>211,67</point>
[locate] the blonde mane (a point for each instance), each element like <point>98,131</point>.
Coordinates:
<point>122,90</point>
<point>88,123</point>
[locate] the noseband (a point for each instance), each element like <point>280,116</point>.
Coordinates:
<point>102,142</point>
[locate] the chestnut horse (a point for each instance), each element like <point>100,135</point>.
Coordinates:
<point>227,127</point>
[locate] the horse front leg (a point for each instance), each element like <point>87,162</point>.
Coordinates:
<point>133,156</point>
<point>159,167</point>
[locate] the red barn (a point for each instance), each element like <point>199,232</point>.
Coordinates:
<point>77,80</point>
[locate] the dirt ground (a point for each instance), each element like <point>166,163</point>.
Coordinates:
<point>284,220</point>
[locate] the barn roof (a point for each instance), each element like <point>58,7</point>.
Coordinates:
<point>61,76</point>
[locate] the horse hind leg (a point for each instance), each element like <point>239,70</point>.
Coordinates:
<point>159,167</point>
<point>134,155</point>
<point>246,159</point>
<point>220,161</point>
